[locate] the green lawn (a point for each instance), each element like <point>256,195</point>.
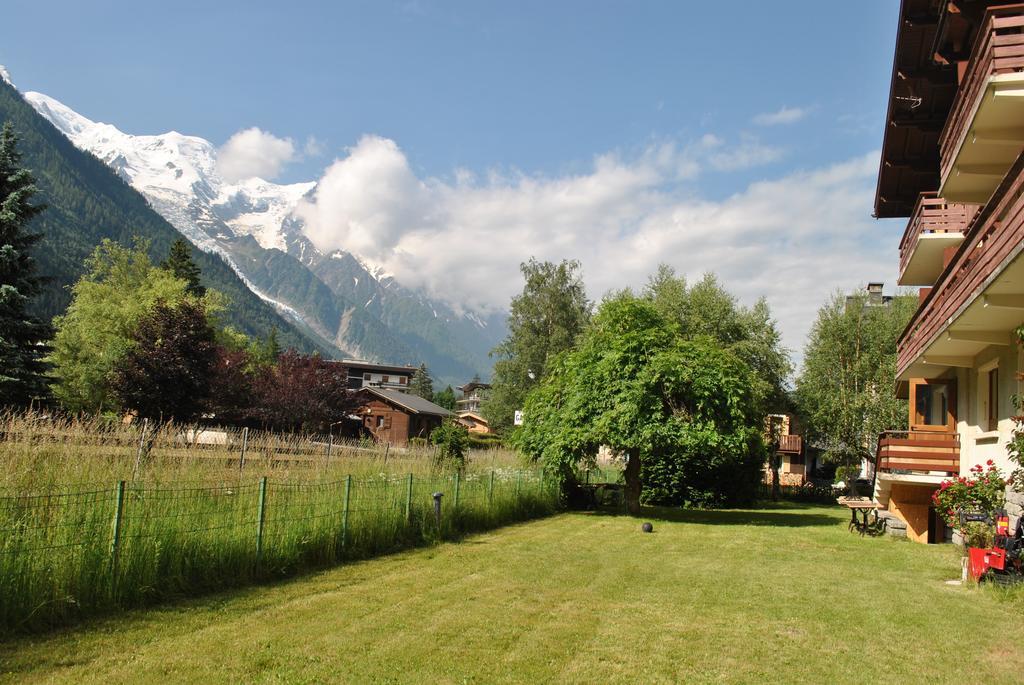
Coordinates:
<point>774,595</point>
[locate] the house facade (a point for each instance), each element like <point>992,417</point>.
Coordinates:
<point>952,166</point>
<point>474,422</point>
<point>364,374</point>
<point>473,395</point>
<point>794,466</point>
<point>394,417</point>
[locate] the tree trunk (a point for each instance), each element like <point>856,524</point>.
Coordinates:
<point>632,477</point>
<point>776,489</point>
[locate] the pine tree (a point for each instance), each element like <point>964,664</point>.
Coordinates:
<point>22,370</point>
<point>445,398</point>
<point>179,262</point>
<point>422,384</point>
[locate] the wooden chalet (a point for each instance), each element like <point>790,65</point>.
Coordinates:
<point>952,165</point>
<point>395,417</point>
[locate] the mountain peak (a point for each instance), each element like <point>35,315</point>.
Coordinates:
<point>5,76</point>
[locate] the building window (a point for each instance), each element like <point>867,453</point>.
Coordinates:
<point>402,380</point>
<point>380,422</point>
<point>933,405</point>
<point>366,376</point>
<point>988,397</point>
<point>385,379</point>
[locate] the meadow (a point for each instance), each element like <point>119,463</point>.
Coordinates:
<point>778,594</point>
<point>96,517</point>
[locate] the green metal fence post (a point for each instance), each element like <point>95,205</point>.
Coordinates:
<point>115,538</point>
<point>344,516</point>
<point>490,490</point>
<point>455,500</point>
<point>260,519</point>
<point>408,500</point>
<point>519,478</point>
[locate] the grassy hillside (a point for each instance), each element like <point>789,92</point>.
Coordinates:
<point>88,202</point>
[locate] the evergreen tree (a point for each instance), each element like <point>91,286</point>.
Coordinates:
<point>422,384</point>
<point>179,262</point>
<point>445,398</point>
<point>22,370</point>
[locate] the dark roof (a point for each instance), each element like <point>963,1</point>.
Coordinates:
<point>920,96</point>
<point>355,364</point>
<point>412,403</point>
<point>473,385</point>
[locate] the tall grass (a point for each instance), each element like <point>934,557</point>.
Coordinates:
<point>89,523</point>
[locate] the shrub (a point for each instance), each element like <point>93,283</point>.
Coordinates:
<point>452,440</point>
<point>984,491</point>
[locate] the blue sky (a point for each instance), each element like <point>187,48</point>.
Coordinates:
<point>489,102</point>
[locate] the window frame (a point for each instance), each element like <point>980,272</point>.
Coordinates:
<point>950,425</point>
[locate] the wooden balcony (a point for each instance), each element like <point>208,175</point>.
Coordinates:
<point>913,452</point>
<point>935,226</point>
<point>984,131</point>
<point>976,298</point>
<point>790,444</point>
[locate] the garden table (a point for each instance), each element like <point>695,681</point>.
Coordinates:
<point>862,506</point>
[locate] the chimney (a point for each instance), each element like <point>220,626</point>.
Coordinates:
<point>875,293</point>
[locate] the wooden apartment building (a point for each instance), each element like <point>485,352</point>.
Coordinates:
<point>952,165</point>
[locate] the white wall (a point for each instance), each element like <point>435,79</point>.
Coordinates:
<point>977,444</point>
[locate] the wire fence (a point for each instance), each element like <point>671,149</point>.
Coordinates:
<point>67,553</point>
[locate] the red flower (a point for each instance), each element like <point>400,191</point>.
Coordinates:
<point>990,462</point>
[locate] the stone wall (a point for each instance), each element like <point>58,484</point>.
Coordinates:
<point>1014,505</point>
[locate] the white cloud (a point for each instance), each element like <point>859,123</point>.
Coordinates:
<point>786,115</point>
<point>314,147</point>
<point>794,239</point>
<point>744,156</point>
<point>254,153</point>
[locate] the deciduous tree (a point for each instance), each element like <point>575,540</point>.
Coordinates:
<point>303,393</point>
<point>544,320</point>
<point>120,286</point>
<point>845,391</point>
<point>166,372</point>
<point>678,410</point>
<point>708,309</point>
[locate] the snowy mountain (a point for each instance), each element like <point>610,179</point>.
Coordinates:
<point>357,309</point>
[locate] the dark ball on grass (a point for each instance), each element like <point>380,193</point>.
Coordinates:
<point>647,528</point>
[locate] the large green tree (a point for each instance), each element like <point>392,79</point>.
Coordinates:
<point>707,309</point>
<point>845,391</point>
<point>678,410</point>
<point>22,370</point>
<point>544,320</point>
<point>120,287</point>
<point>165,374</point>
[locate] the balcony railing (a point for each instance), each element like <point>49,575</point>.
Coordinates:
<point>996,234</point>
<point>790,444</point>
<point>915,452</point>
<point>998,49</point>
<point>933,215</point>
